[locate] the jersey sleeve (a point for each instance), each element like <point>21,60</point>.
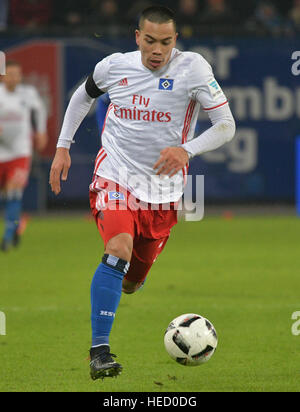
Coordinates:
<point>203,86</point>
<point>101,75</point>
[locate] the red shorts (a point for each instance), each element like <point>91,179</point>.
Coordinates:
<point>115,211</point>
<point>15,171</point>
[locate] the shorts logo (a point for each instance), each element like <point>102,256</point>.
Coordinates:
<point>166,84</point>
<point>116,196</point>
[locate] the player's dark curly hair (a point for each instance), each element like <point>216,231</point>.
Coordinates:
<point>157,14</point>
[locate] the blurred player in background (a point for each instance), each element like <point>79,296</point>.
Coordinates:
<point>21,111</point>
<point>155,95</point>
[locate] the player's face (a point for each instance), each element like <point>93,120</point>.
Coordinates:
<point>12,77</point>
<point>156,42</point>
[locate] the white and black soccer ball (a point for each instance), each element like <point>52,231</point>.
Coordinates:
<point>190,339</point>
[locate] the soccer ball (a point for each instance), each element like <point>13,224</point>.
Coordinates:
<point>190,339</point>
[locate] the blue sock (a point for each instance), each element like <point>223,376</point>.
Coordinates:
<point>106,290</point>
<point>12,213</point>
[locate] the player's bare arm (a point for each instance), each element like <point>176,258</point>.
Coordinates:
<point>41,140</point>
<point>59,169</point>
<point>77,109</point>
<point>171,161</point>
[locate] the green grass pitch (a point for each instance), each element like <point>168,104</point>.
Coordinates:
<point>242,274</point>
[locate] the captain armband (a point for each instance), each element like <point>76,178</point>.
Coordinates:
<point>91,88</point>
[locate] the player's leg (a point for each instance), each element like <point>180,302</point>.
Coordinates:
<point>116,229</point>
<point>2,180</point>
<point>13,207</point>
<point>130,287</point>
<point>16,180</point>
<point>155,227</point>
<point>145,253</point>
<point>106,287</point>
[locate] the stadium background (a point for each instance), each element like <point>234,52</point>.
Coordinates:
<point>249,47</point>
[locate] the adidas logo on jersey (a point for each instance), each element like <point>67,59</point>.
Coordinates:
<point>123,82</point>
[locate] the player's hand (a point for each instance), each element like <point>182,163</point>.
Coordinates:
<point>171,160</point>
<point>41,140</point>
<point>59,169</point>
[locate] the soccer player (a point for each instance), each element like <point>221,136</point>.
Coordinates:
<point>20,109</point>
<point>155,94</point>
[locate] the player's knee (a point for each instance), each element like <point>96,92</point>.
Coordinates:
<point>120,246</point>
<point>16,183</point>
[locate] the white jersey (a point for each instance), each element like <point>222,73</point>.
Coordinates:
<point>15,121</point>
<point>149,111</point>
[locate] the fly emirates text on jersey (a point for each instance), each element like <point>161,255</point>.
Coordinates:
<point>137,113</point>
